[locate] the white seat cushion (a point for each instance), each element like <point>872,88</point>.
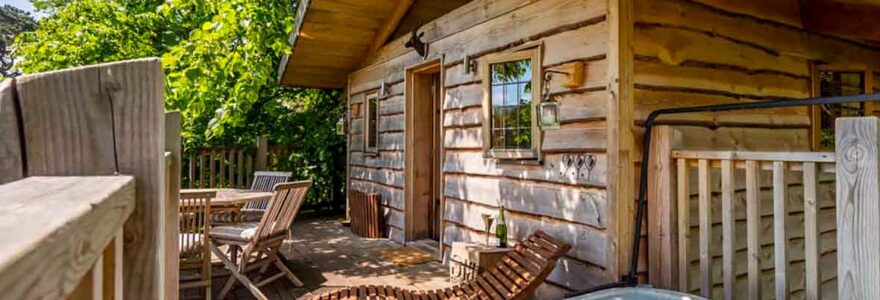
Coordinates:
<point>242,232</point>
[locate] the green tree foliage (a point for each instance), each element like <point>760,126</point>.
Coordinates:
<point>12,22</point>
<point>220,59</point>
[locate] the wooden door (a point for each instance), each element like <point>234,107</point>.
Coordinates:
<point>423,152</point>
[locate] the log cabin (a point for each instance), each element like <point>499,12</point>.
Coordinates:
<point>458,107</point>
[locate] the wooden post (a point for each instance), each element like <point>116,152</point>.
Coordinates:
<point>172,198</point>
<point>858,208</point>
<point>11,167</point>
<point>621,151</point>
<point>662,215</point>
<point>262,154</point>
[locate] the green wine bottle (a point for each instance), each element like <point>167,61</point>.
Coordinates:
<point>501,229</point>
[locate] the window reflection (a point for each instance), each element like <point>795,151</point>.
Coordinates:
<point>511,98</point>
<point>832,84</point>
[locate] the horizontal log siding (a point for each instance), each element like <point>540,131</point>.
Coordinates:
<point>565,201</point>
<point>698,52</point>
<point>702,52</point>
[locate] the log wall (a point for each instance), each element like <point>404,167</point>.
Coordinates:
<point>558,197</point>
<point>701,52</point>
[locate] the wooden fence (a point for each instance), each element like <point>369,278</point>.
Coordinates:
<point>726,165</point>
<point>232,166</point>
<point>742,224</point>
<point>63,235</point>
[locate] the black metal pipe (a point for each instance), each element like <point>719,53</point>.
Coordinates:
<point>631,278</point>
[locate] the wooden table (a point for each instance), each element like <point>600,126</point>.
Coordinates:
<point>231,198</point>
<point>467,260</point>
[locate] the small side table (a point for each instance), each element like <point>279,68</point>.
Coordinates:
<point>467,260</point>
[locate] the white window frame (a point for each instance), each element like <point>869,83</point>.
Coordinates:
<point>534,153</point>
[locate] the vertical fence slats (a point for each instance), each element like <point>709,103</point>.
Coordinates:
<point>201,171</point>
<point>222,159</point>
<point>811,232</point>
<point>780,237</point>
<point>192,171</point>
<point>211,168</point>
<point>684,228</point>
<point>240,166</point>
<point>753,228</point>
<point>728,224</point>
<point>705,207</point>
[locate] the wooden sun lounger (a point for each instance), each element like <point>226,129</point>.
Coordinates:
<point>515,277</point>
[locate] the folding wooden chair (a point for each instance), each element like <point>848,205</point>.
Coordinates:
<point>252,211</point>
<point>264,181</point>
<point>193,243</point>
<point>259,243</point>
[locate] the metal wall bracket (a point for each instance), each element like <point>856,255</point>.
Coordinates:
<point>415,42</point>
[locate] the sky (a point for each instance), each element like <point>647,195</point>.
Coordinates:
<point>23,4</point>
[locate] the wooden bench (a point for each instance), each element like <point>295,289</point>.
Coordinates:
<point>515,277</point>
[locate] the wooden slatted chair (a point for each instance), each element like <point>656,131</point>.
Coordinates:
<point>515,277</point>
<point>193,243</point>
<point>252,211</point>
<point>260,242</point>
<point>264,181</point>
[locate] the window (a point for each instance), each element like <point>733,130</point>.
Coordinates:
<point>511,94</point>
<point>371,122</point>
<point>837,83</point>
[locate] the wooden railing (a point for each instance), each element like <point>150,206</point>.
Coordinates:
<point>745,224</point>
<point>730,166</point>
<point>231,166</point>
<point>91,121</point>
<point>62,237</point>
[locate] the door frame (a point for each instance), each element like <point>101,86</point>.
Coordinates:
<point>430,66</point>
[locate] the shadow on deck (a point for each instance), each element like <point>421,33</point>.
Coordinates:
<point>325,256</point>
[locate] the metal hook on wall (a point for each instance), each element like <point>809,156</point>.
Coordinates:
<point>415,42</point>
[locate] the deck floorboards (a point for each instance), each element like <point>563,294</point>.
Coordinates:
<point>326,256</point>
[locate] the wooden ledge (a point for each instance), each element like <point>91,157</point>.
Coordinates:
<point>54,229</point>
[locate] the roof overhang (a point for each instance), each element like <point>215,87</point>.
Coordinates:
<point>331,38</point>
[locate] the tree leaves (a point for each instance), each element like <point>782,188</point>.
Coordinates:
<point>12,22</point>
<point>220,60</point>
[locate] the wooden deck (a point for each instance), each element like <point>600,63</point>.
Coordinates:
<point>325,256</point>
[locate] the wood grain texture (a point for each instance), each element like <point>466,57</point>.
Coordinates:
<point>570,31</point>
<point>684,232</point>
<point>780,242</point>
<point>11,167</point>
<point>535,20</point>
<point>619,134</point>
<point>662,221</point>
<point>705,228</point>
<point>56,228</point>
<point>67,110</point>
<point>100,120</point>
<point>172,202</point>
<point>728,228</point>
<point>584,206</point>
<point>811,232</point>
<point>858,188</point>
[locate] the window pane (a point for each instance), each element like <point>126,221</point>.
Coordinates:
<point>498,138</point>
<point>373,123</point>
<point>833,84</point>
<point>497,95</point>
<point>511,101</point>
<point>523,138</point>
